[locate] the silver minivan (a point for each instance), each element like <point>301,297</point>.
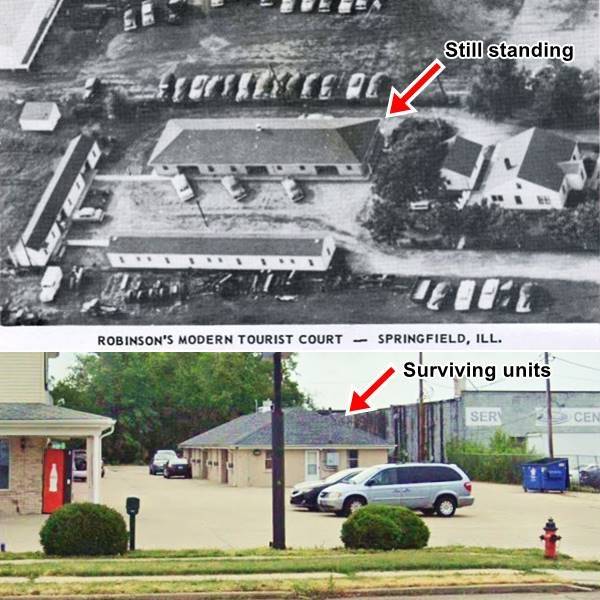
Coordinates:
<point>427,487</point>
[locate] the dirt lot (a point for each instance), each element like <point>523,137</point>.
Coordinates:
<point>199,514</point>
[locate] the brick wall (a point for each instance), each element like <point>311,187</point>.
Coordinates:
<point>26,468</point>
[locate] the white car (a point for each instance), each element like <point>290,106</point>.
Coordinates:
<point>229,85</point>
<point>129,20</point>
<point>345,7</point>
<point>91,87</point>
<point>182,187</point>
<point>264,83</point>
<point>419,205</point>
<point>292,189</point>
<point>355,86</point>
<point>266,3</point>
<point>214,86</point>
<point>375,85</point>
<point>327,87</point>
<point>287,6</point>
<point>181,90</point>
<point>311,86</point>
<point>197,88</point>
<point>361,5</point>
<point>279,83</point>
<point>233,186</point>
<point>464,295</point>
<point>89,214</point>
<point>489,291</point>
<point>325,6</point>
<point>217,3</point>
<point>50,283</point>
<point>147,13</point>
<point>440,295</point>
<point>307,6</point>
<point>525,300</point>
<point>244,91</point>
<point>420,291</point>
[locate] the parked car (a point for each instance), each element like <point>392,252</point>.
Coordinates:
<point>590,476</point>
<point>306,494</point>
<point>129,19</point>
<point>327,87</point>
<point>50,283</point>
<point>325,6</point>
<point>91,88</point>
<point>421,290</point>
<point>311,86</point>
<point>292,189</point>
<point>419,205</point>
<point>214,86</point>
<point>355,86</point>
<point>181,90</point>
<point>229,86</point>
<point>197,87</point>
<point>79,466</point>
<point>233,186</point>
<point>217,3</point>
<point>294,85</point>
<point>245,86</point>
<point>307,6</point>
<point>489,292</point>
<point>287,6</point>
<point>264,83</point>
<point>429,488</point>
<point>464,295</point>
<point>361,5</point>
<point>182,187</point>
<point>505,297</point>
<point>89,214</point>
<point>266,3</point>
<point>526,298</point>
<point>345,7</point>
<point>279,83</point>
<point>165,86</point>
<point>376,83</point>
<point>440,295</point>
<point>160,459</point>
<point>147,13</point>
<point>177,467</point>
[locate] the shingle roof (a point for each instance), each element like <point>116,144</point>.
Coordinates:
<point>30,411</point>
<point>37,110</point>
<point>213,245</point>
<point>264,141</point>
<point>301,428</point>
<point>56,191</point>
<point>462,155</point>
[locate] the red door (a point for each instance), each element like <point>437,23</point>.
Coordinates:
<point>57,483</point>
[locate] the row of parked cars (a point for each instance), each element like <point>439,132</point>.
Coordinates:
<point>146,16</point>
<point>168,464</point>
<point>344,7</point>
<point>431,488</point>
<point>494,294</point>
<point>269,85</point>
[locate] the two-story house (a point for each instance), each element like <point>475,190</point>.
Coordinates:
<point>29,423</point>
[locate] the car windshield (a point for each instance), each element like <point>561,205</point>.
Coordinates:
<point>164,454</point>
<point>364,475</point>
<point>336,476</point>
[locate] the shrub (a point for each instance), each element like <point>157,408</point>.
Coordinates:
<point>384,528</point>
<point>84,529</point>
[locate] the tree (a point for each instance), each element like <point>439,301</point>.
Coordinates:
<point>587,223</point>
<point>160,399</point>
<point>497,88</point>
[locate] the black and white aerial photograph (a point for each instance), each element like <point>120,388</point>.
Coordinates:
<point>258,162</point>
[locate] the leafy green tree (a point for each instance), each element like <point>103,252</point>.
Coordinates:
<point>497,88</point>
<point>160,399</point>
<point>587,223</point>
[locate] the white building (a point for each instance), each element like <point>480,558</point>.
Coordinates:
<point>39,116</point>
<point>534,170</point>
<point>46,229</point>
<point>462,166</point>
<point>222,253</point>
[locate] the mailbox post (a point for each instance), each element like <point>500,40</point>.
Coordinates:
<point>132,506</point>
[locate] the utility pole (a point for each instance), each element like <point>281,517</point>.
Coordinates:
<point>549,410</point>
<point>421,415</point>
<point>277,458</point>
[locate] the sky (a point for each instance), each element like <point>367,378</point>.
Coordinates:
<point>329,378</point>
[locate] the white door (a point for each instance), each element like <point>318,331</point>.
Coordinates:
<point>311,465</point>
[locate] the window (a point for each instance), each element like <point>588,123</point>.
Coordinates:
<point>497,198</point>
<point>257,170</point>
<point>311,262</point>
<point>281,261</point>
<point>348,167</point>
<point>302,168</point>
<point>210,168</point>
<point>233,169</point>
<point>279,167</point>
<point>4,464</point>
<point>263,262</point>
<point>122,260</point>
<point>167,260</point>
<point>138,258</point>
<point>149,258</point>
<point>582,175</point>
<point>191,261</point>
<point>519,186</point>
<point>238,261</point>
<point>543,200</point>
<point>220,259</point>
<point>268,460</point>
<point>327,170</point>
<point>518,200</point>
<point>385,477</point>
<point>352,459</point>
<point>329,251</point>
<point>292,261</point>
<point>436,474</point>
<point>208,259</point>
<point>563,188</point>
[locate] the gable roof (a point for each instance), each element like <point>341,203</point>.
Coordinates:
<point>533,155</point>
<point>301,428</point>
<point>33,411</point>
<point>462,155</point>
<point>264,141</point>
<point>56,191</point>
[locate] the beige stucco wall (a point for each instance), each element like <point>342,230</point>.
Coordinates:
<point>22,377</point>
<point>24,495</point>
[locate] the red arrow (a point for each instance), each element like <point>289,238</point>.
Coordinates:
<point>359,401</point>
<point>400,103</point>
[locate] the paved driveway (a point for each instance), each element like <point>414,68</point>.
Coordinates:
<point>198,514</point>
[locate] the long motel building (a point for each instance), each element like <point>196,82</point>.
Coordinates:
<point>222,253</point>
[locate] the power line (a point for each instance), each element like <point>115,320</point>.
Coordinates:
<point>570,362</point>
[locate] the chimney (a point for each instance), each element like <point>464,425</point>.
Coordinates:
<point>459,386</point>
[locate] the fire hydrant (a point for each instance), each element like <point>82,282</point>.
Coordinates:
<point>550,538</point>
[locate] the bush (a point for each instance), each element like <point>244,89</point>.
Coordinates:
<point>84,529</point>
<point>384,528</point>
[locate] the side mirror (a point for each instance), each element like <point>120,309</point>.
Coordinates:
<point>369,483</point>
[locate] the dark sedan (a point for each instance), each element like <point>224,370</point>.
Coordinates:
<point>306,494</point>
<point>178,467</point>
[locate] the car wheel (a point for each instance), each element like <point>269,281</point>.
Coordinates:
<point>445,506</point>
<point>352,504</point>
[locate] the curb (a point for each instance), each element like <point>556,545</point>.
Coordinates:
<point>524,588</point>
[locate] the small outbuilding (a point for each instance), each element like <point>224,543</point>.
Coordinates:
<point>39,116</point>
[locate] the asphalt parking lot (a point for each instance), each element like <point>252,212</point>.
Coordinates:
<point>198,514</point>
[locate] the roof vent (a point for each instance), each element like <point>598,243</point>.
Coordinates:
<point>507,163</point>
